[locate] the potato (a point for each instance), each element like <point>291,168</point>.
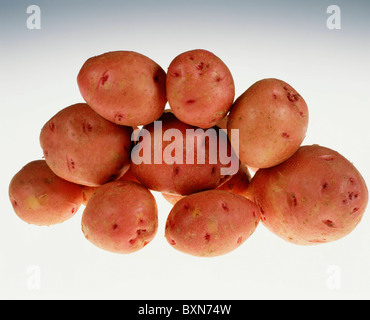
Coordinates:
<point>200,88</point>
<point>316,196</point>
<point>238,184</point>
<point>211,223</point>
<point>120,217</point>
<point>172,198</point>
<point>128,176</point>
<point>40,197</point>
<point>124,87</point>
<point>87,192</point>
<point>82,147</point>
<point>160,160</point>
<point>272,120</point>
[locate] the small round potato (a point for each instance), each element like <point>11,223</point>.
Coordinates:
<point>200,88</point>
<point>120,217</point>
<point>211,223</point>
<point>316,196</point>
<point>124,87</point>
<point>41,198</point>
<point>82,147</point>
<point>272,120</point>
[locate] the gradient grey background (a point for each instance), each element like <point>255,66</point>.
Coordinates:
<point>256,39</point>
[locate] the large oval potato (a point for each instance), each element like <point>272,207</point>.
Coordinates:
<point>124,87</point>
<point>211,223</point>
<point>200,88</point>
<point>161,160</point>
<point>40,197</point>
<point>272,120</point>
<point>82,147</point>
<point>316,196</point>
<point>120,217</point>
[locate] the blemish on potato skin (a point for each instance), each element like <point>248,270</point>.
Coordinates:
<point>292,200</point>
<point>70,164</point>
<point>51,126</point>
<point>327,157</point>
<point>328,223</point>
<point>175,74</point>
<point>196,212</point>
<point>293,96</point>
<point>104,78</point>
<point>207,237</point>
<point>225,207</point>
<point>118,117</point>
<point>86,127</point>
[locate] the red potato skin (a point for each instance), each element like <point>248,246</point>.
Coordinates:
<point>41,198</point>
<point>316,196</point>
<point>176,178</point>
<point>200,88</point>
<point>211,223</point>
<point>87,192</point>
<point>120,217</point>
<point>82,147</point>
<point>272,119</point>
<point>237,184</point>
<point>172,198</point>
<point>124,87</point>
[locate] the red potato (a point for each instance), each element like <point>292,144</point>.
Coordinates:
<point>239,183</point>
<point>40,197</point>
<point>316,196</point>
<point>128,176</point>
<point>87,192</point>
<point>120,217</point>
<point>272,119</point>
<point>172,198</point>
<point>160,162</point>
<point>200,88</point>
<point>211,223</point>
<point>82,147</point>
<point>124,87</point>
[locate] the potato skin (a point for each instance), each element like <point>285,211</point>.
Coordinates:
<point>40,197</point>
<point>200,88</point>
<point>211,223</point>
<point>177,178</point>
<point>82,147</point>
<point>124,87</point>
<point>272,119</point>
<point>237,184</point>
<point>120,217</point>
<point>316,196</point>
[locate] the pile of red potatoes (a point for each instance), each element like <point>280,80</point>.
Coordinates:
<point>109,153</point>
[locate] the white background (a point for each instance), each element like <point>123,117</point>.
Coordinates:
<point>256,39</point>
